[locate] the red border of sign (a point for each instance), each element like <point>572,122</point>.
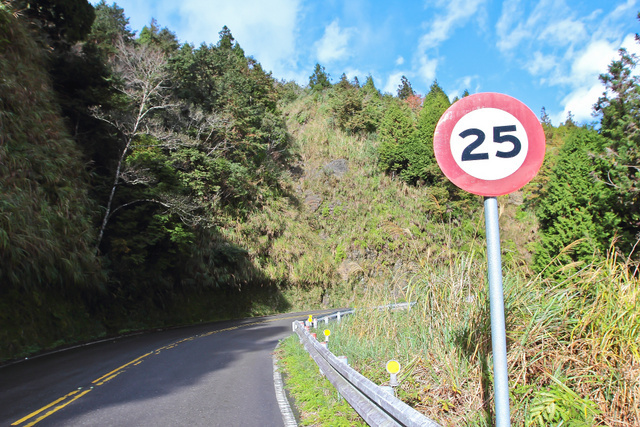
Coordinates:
<point>498,187</point>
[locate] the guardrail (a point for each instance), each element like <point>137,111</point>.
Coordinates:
<point>339,314</point>
<point>375,405</point>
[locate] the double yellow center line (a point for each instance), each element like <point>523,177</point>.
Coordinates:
<point>58,404</point>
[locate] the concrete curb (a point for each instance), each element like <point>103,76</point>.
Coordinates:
<point>285,408</point>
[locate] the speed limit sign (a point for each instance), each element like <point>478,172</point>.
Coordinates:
<point>489,144</point>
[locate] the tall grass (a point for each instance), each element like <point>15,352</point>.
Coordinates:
<point>573,346</point>
<point>441,341</point>
<point>584,332</point>
<point>318,402</point>
<point>47,266</point>
<point>368,230</point>
<point>45,211</point>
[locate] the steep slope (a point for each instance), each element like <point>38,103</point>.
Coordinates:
<point>355,229</point>
<point>45,231</point>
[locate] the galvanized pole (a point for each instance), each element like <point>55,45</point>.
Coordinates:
<point>496,299</point>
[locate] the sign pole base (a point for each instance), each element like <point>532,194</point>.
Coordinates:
<point>496,299</point>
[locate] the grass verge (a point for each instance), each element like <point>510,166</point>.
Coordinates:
<point>317,401</point>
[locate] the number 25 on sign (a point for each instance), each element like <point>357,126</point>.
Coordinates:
<point>489,144</point>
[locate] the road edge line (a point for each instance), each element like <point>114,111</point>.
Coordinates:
<point>285,408</point>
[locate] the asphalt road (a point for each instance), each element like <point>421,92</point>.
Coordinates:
<point>219,374</point>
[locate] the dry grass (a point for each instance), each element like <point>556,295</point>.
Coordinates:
<point>573,346</point>
<point>586,331</point>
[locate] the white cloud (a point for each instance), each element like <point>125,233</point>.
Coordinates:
<point>584,78</point>
<point>454,14</point>
<point>624,9</point>
<point>592,61</point>
<point>400,60</point>
<point>580,103</point>
<point>509,37</point>
<point>547,21</point>
<point>393,81</point>
<point>582,81</point>
<point>457,13</point>
<point>541,63</point>
<point>462,84</point>
<point>564,32</point>
<point>513,39</point>
<point>265,30</point>
<point>427,69</point>
<point>333,44</point>
<point>631,45</point>
<point>563,49</point>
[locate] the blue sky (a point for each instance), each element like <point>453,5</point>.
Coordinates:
<point>547,53</point>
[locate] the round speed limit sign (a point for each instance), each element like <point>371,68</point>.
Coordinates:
<point>489,144</point>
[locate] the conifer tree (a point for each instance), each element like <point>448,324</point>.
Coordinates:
<point>344,82</point>
<point>319,80</point>
<point>574,221</point>
<point>396,131</point>
<point>404,89</point>
<point>424,165</point>
<point>411,152</point>
<point>110,25</point>
<point>435,104</point>
<point>162,38</point>
<point>620,158</point>
<point>369,87</point>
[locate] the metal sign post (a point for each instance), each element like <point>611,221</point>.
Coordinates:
<point>491,144</point>
<point>496,301</point>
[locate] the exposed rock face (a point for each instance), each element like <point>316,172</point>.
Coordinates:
<point>337,167</point>
<point>312,201</point>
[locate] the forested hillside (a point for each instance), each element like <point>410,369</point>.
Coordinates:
<point>127,161</point>
<point>149,183</point>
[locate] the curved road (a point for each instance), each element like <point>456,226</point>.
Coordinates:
<point>218,374</point>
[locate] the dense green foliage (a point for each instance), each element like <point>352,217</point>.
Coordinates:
<point>319,80</point>
<point>46,230</point>
<point>620,157</point>
<point>404,89</point>
<point>397,130</point>
<point>45,209</point>
<point>62,21</point>
<point>354,110</point>
<point>589,201</point>
<point>180,143</point>
<point>572,214</point>
<point>407,141</point>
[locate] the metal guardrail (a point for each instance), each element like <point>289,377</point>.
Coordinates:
<point>375,405</point>
<point>339,314</point>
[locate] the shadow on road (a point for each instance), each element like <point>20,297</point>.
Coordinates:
<point>173,376</point>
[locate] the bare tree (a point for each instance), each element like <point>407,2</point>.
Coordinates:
<point>143,74</point>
